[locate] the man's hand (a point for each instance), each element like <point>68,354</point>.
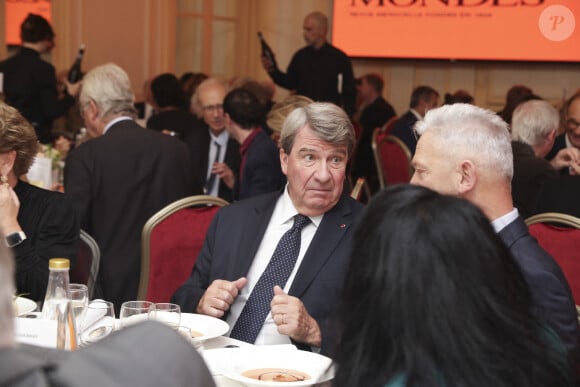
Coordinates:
<point>73,88</point>
<point>225,173</point>
<point>566,157</point>
<point>293,319</point>
<point>219,296</point>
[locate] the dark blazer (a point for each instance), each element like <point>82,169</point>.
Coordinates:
<point>552,300</point>
<point>145,355</point>
<point>262,172</point>
<point>403,129</point>
<point>530,174</point>
<point>559,144</point>
<point>30,87</point>
<point>178,121</point>
<point>560,195</point>
<point>116,182</point>
<point>233,240</point>
<point>198,143</point>
<point>373,116</point>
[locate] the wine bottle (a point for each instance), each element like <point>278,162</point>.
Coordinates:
<point>57,304</point>
<point>267,51</point>
<point>75,74</point>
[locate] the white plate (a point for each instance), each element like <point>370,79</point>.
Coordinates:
<point>23,306</point>
<point>210,327</point>
<point>239,360</point>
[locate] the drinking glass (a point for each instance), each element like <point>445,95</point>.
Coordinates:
<point>133,312</point>
<point>102,316</point>
<point>79,296</point>
<point>167,313</point>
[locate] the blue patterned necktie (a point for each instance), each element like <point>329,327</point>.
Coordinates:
<point>277,272</point>
<point>211,179</point>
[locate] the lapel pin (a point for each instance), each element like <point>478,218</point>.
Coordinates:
<point>343,225</point>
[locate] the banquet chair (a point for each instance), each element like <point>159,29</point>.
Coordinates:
<point>387,128</point>
<point>559,235</point>
<point>86,267</point>
<point>170,243</point>
<point>392,158</point>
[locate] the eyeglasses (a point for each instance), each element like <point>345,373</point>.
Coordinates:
<point>572,124</point>
<point>213,108</point>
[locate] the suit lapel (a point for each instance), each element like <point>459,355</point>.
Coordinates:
<point>253,232</point>
<point>332,229</point>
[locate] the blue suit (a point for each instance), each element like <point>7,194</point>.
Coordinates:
<point>404,130</point>
<point>552,300</point>
<point>233,240</point>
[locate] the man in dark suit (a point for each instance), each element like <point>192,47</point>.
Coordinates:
<point>561,195</point>
<point>119,179</point>
<point>423,98</point>
<point>243,241</point>
<point>376,112</point>
<point>571,138</point>
<point>216,155</point>
<point>465,151</point>
<point>30,83</point>
<point>260,167</point>
<point>145,355</point>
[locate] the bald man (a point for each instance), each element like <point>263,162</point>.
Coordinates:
<point>319,71</point>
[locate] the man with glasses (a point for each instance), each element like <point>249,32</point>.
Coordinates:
<point>423,98</point>
<point>215,154</point>
<point>571,137</point>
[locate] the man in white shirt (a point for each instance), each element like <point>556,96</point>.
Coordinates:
<point>465,151</point>
<point>246,238</point>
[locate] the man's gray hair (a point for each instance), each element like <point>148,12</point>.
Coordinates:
<point>110,89</point>
<point>470,132</point>
<point>533,121</point>
<point>204,84</point>
<point>330,123</point>
<point>6,294</point>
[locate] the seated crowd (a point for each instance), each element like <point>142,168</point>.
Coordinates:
<point>437,282</point>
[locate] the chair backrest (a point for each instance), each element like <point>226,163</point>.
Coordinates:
<point>559,235</point>
<point>170,243</point>
<point>389,125</point>
<point>86,266</point>
<point>393,159</point>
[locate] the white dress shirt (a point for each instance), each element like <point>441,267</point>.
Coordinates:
<point>501,222</point>
<point>280,222</point>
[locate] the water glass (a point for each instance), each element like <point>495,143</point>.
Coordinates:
<point>79,296</point>
<point>166,313</point>
<point>133,312</point>
<point>102,315</point>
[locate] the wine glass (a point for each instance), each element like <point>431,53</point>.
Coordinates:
<point>133,312</point>
<point>102,321</point>
<point>167,313</point>
<point>79,296</point>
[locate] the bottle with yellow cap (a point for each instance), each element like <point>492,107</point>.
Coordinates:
<point>57,304</point>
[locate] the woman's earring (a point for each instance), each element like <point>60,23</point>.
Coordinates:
<point>4,180</point>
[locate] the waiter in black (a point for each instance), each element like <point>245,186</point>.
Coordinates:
<point>30,82</point>
<point>319,71</point>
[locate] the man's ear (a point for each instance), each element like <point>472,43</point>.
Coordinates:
<point>7,162</point>
<point>283,161</point>
<point>467,177</point>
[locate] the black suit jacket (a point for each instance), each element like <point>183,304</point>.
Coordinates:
<point>262,172</point>
<point>116,182</point>
<point>559,144</point>
<point>552,301</point>
<point>145,355</point>
<point>560,195</point>
<point>373,116</point>
<point>530,174</point>
<point>199,143</point>
<point>403,129</point>
<point>30,87</point>
<point>235,236</point>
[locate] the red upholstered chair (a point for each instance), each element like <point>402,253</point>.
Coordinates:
<point>559,235</point>
<point>86,267</point>
<point>389,125</point>
<point>170,243</point>
<point>393,159</point>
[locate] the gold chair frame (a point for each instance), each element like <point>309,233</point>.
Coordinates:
<point>554,217</point>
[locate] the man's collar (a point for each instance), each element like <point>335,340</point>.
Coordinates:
<point>221,138</point>
<point>288,209</point>
<point>114,121</point>
<point>504,220</point>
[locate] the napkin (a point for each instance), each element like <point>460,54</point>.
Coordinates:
<point>92,316</point>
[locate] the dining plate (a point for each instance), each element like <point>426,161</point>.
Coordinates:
<point>273,361</point>
<point>208,327</point>
<point>23,306</point>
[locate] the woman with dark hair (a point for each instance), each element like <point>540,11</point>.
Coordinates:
<point>38,224</point>
<point>434,298</point>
